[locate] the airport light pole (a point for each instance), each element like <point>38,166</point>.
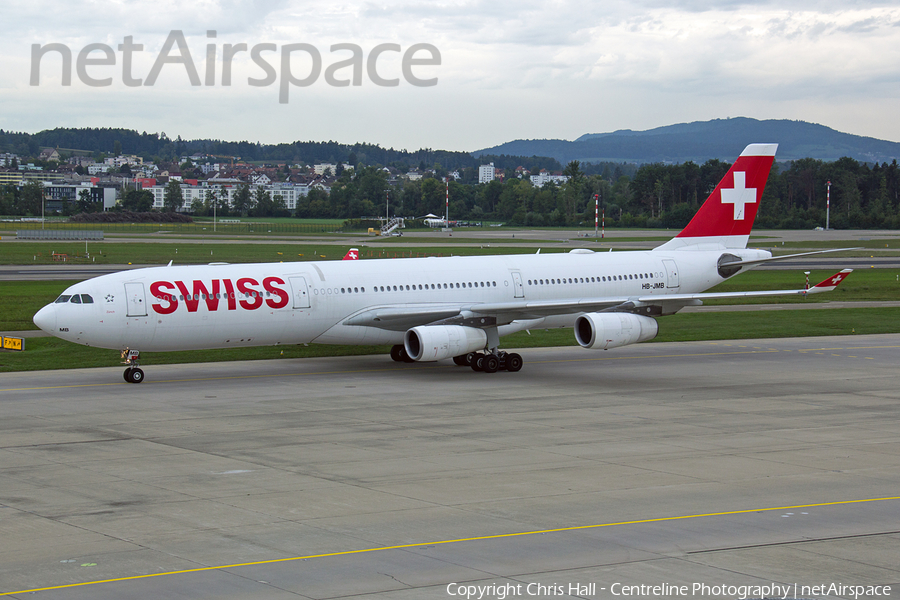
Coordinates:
<point>828,205</point>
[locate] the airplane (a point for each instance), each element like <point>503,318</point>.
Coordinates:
<point>429,309</point>
<point>352,254</point>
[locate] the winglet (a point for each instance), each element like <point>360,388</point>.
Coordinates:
<point>830,283</point>
<point>352,254</point>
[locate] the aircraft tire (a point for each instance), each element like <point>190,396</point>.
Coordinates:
<point>490,364</point>
<point>137,375</point>
<point>460,360</point>
<point>476,362</point>
<point>397,353</point>
<point>405,357</point>
<point>127,374</point>
<point>514,362</point>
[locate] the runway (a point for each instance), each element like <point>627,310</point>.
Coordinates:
<point>719,464</point>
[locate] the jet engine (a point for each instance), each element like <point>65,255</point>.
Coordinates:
<point>435,342</point>
<point>611,330</point>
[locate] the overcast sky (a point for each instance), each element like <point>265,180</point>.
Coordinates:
<point>508,70</point>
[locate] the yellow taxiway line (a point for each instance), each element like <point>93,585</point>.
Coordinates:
<point>444,542</point>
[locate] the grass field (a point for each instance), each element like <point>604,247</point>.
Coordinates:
<point>120,253</point>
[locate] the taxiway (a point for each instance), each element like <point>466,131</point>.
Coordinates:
<point>724,463</point>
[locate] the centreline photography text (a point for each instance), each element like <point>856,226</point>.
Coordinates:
<point>785,591</point>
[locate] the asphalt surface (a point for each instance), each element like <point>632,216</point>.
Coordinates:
<point>718,464</point>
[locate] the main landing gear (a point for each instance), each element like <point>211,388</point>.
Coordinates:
<point>399,354</point>
<point>490,363</point>
<point>133,374</point>
<point>479,361</point>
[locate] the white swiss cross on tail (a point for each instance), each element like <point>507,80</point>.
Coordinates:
<point>352,254</point>
<point>739,195</point>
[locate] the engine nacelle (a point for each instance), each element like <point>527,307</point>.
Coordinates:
<point>436,342</point>
<point>611,330</point>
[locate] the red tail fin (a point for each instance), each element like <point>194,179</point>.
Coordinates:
<point>727,216</point>
<point>352,254</point>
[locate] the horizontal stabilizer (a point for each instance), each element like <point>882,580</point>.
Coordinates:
<point>757,261</point>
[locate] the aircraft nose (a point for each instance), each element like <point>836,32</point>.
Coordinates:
<point>46,319</point>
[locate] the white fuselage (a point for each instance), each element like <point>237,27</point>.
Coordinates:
<point>225,305</point>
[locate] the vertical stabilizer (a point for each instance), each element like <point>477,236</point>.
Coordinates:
<point>727,216</point>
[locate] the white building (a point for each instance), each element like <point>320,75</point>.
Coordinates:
<point>97,168</point>
<point>320,169</point>
<point>486,173</point>
<point>290,192</point>
<point>545,177</point>
<point>118,161</point>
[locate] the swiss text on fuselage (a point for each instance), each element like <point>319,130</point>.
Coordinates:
<point>219,294</point>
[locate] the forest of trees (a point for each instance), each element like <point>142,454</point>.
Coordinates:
<point>863,195</point>
<point>157,147</point>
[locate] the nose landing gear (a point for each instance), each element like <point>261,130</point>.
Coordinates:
<point>133,374</point>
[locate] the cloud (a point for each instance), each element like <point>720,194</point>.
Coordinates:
<point>526,69</point>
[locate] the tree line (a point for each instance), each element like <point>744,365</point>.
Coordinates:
<point>655,196</point>
<point>158,147</point>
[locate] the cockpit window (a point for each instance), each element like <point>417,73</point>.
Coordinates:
<point>76,299</point>
<point>62,299</point>
<point>86,299</point>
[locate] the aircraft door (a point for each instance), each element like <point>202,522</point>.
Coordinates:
<point>671,273</point>
<point>134,294</point>
<point>517,283</point>
<point>301,291</point>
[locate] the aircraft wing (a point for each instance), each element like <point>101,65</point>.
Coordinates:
<point>403,317</point>
<point>825,286</point>
<point>396,318</point>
